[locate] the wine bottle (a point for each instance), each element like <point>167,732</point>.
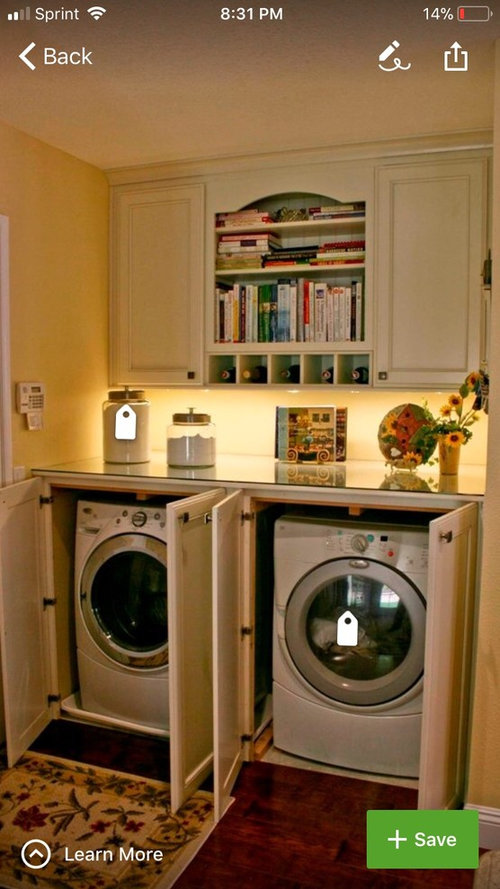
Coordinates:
<point>327,375</point>
<point>228,375</point>
<point>360,375</point>
<point>255,374</point>
<point>291,373</point>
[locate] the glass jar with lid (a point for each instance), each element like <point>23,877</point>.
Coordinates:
<point>191,440</point>
<point>126,427</point>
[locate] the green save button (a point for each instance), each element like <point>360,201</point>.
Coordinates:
<point>422,838</point>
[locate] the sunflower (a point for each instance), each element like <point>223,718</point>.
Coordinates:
<point>472,380</point>
<point>455,401</point>
<point>412,458</point>
<point>454,439</point>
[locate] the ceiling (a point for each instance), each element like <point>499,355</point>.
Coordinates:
<point>172,79</point>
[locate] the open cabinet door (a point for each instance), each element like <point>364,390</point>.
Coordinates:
<point>227,625</point>
<point>189,566</point>
<point>448,653</point>
<point>24,624</point>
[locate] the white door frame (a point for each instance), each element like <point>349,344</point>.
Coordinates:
<point>6,470</point>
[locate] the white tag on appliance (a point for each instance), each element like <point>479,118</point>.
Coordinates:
<point>125,423</point>
<point>347,629</point>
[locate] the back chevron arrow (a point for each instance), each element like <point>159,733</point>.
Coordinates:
<point>24,56</point>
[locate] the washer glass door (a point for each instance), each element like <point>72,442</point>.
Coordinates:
<point>386,613</point>
<point>123,597</point>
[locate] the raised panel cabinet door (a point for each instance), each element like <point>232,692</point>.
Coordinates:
<point>448,658</point>
<point>430,245</point>
<point>156,335</point>
<point>227,647</point>
<point>24,629</point>
<point>189,566</point>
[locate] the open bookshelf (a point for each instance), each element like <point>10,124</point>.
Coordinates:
<point>289,294</point>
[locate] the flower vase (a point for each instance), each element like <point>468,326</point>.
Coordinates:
<point>449,457</point>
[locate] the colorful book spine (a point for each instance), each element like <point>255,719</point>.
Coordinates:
<point>264,313</point>
<point>288,311</point>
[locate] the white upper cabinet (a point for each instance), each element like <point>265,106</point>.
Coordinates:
<point>422,310</point>
<point>157,262</point>
<point>430,244</point>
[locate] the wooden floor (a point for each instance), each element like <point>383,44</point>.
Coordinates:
<point>142,755</point>
<point>287,829</point>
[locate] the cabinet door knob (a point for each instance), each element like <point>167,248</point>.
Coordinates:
<point>383,375</point>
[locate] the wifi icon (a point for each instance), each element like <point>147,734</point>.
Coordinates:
<point>96,12</point>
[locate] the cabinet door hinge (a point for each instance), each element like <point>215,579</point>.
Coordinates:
<point>45,501</point>
<point>53,699</point>
<point>245,738</point>
<point>247,516</point>
<point>246,631</point>
<point>47,601</point>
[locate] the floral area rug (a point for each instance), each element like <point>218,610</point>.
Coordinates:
<point>102,829</point>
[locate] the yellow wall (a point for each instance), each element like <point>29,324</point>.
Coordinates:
<point>58,211</point>
<point>484,788</point>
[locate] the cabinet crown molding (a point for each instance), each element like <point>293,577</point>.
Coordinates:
<point>468,140</point>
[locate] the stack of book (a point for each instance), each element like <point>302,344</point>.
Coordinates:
<point>311,434</point>
<point>244,251</point>
<point>290,256</point>
<point>340,253</point>
<point>239,218</point>
<point>332,253</point>
<point>290,310</point>
<point>338,211</point>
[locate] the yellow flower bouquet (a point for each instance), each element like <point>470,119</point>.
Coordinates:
<point>453,427</point>
<point>457,419</point>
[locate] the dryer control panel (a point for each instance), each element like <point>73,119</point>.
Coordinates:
<point>406,550</point>
<point>93,518</point>
<point>301,543</point>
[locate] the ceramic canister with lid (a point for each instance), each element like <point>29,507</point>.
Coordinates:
<point>126,427</point>
<point>191,440</point>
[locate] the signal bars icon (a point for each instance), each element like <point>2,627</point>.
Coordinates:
<point>20,15</point>
<point>96,12</point>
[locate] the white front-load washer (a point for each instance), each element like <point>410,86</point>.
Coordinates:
<point>348,642</point>
<point>121,613</point>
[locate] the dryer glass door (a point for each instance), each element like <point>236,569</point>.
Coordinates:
<point>355,629</point>
<point>123,597</point>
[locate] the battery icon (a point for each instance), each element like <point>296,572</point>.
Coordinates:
<point>474,13</point>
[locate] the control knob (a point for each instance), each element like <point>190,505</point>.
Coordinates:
<point>359,543</point>
<point>139,518</point>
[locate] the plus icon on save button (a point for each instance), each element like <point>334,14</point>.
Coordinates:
<point>397,839</point>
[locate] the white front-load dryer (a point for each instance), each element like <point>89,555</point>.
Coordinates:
<point>348,642</point>
<point>121,613</point>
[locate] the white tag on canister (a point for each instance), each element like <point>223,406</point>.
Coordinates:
<point>347,629</point>
<point>125,423</point>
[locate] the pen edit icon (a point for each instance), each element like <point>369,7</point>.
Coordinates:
<point>388,51</point>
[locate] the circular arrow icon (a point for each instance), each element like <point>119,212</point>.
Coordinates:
<point>35,854</point>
